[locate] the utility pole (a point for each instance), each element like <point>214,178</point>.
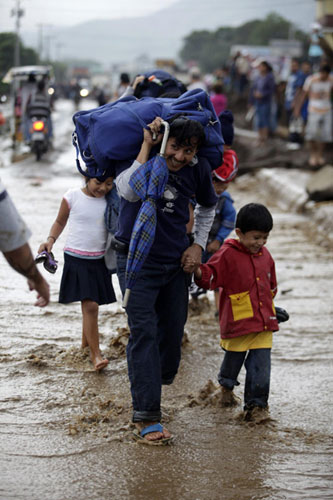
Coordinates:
<point>48,39</point>
<point>40,41</point>
<point>18,13</point>
<point>59,46</point>
<point>43,41</point>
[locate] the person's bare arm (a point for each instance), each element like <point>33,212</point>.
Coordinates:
<point>197,273</point>
<point>122,180</point>
<point>56,228</point>
<point>22,261</point>
<point>299,100</point>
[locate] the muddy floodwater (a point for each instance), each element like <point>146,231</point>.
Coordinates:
<point>65,431</point>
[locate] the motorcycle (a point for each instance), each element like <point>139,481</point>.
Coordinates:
<point>39,142</point>
<point>39,115</point>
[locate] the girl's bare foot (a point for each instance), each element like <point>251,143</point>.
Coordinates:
<point>313,161</point>
<point>99,363</point>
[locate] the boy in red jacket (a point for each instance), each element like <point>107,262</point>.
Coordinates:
<point>244,271</point>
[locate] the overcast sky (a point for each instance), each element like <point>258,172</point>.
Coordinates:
<point>70,12</point>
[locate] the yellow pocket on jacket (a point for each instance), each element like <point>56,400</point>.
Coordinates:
<point>241,305</point>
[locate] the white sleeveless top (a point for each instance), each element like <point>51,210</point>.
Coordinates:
<point>87,232</point>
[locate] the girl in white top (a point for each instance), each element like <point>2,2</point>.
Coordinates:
<point>85,277</point>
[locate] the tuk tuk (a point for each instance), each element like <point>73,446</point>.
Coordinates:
<point>23,80</point>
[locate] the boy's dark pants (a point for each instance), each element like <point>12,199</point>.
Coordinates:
<point>258,370</point>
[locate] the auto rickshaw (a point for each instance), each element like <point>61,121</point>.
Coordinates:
<point>23,81</point>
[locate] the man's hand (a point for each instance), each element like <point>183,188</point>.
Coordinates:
<point>42,288</point>
<point>138,79</point>
<point>191,258</point>
<point>153,135</point>
<point>22,261</point>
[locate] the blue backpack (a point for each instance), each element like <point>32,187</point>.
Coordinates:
<point>114,131</point>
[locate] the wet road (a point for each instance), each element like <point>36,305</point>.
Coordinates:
<point>65,430</point>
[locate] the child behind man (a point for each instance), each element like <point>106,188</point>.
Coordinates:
<point>245,271</point>
<point>225,213</point>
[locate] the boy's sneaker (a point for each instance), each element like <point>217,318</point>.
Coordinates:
<point>257,414</point>
<point>228,397</point>
<point>281,314</point>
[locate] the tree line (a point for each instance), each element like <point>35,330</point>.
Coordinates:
<point>211,49</point>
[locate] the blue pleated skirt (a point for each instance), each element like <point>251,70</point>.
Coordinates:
<point>86,279</point>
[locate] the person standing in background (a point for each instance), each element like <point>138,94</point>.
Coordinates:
<point>123,85</point>
<point>262,95</point>
<point>318,89</point>
<point>294,86</point>
<point>196,80</point>
<point>218,98</point>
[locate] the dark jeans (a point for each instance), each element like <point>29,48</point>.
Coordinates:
<point>258,371</point>
<point>157,313</point>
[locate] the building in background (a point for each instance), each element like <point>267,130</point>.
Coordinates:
<point>324,16</point>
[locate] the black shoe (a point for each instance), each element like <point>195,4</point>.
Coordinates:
<point>281,314</point>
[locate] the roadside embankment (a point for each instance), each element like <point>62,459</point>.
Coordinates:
<point>295,186</point>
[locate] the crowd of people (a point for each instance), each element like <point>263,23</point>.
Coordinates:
<point>294,93</point>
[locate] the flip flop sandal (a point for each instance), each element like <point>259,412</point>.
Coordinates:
<point>48,261</point>
<point>139,435</point>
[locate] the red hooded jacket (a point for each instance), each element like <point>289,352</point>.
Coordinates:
<point>248,285</point>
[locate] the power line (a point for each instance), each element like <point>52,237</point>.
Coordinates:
<point>18,13</point>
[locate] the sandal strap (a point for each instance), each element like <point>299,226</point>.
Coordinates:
<point>151,428</point>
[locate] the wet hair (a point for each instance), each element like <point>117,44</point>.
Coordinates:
<point>254,217</point>
<point>185,131</point>
<point>325,68</point>
<point>124,78</point>
<point>268,67</point>
<point>218,88</point>
<point>101,175</point>
<point>99,179</point>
